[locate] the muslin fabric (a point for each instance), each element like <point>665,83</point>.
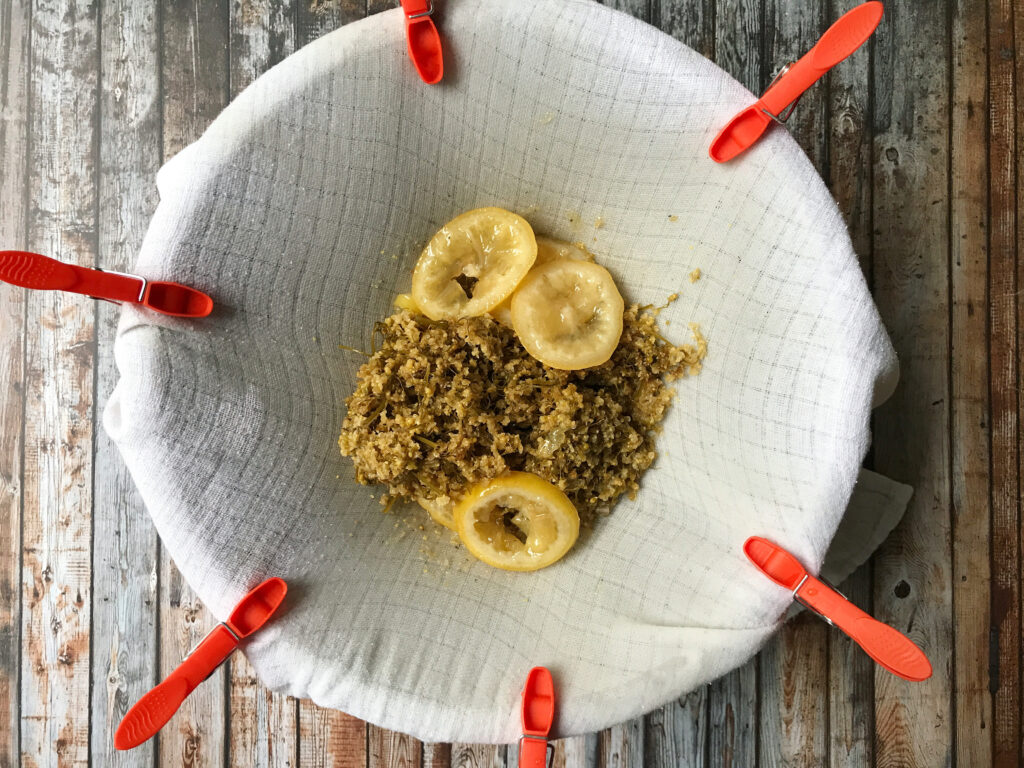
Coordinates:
<point>301,211</point>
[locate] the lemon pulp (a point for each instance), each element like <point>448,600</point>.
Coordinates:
<point>517,522</point>
<point>473,263</point>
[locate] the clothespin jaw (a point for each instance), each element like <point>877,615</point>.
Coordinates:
<point>538,716</point>
<point>423,40</point>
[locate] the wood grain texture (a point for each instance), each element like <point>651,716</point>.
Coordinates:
<point>732,718</point>
<point>689,21</point>
<point>262,34</point>
<point>194,73</point>
<point>970,438</point>
<point>849,176</point>
<point>262,731</point>
<point>1005,242</point>
<point>622,746</point>
<point>793,702</point>
<point>677,734</point>
<point>738,41</point>
<point>1003,525</point>
<point>913,580</point>
<point>851,687</point>
<point>388,749</point>
<point>331,739</point>
<point>14,142</point>
<point>315,18</point>
<point>196,735</point>
<point>60,344</point>
<point>575,752</point>
<point>124,652</point>
<point>376,6</point>
<point>437,755</point>
<point>478,756</point>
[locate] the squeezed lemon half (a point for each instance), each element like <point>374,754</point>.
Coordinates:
<point>517,522</point>
<point>473,263</point>
<point>568,314</point>
<point>440,509</point>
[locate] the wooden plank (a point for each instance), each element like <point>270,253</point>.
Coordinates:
<point>913,579</point>
<point>262,34</point>
<point>622,745</point>
<point>125,543</point>
<point>794,664</point>
<point>196,734</point>
<point>738,31</point>
<point>478,756</point>
<point>793,682</point>
<point>263,732</point>
<point>689,21</point>
<point>574,752</point>
<point>58,460</point>
<point>851,672</point>
<point>1006,241</point>
<point>262,725</point>
<point>639,8</point>
<point>1004,525</point>
<point>390,749</point>
<point>677,734</point>
<point>194,68</point>
<point>194,73</point>
<point>437,755</point>
<point>331,739</point>
<point>732,718</point>
<point>970,437</point>
<point>14,138</point>
<point>318,17</point>
<point>851,721</point>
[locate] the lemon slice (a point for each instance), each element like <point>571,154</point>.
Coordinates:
<point>503,312</point>
<point>517,522</point>
<point>568,314</point>
<point>439,509</point>
<point>473,263</point>
<point>405,301</point>
<point>548,249</point>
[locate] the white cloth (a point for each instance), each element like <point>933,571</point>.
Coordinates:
<point>301,210</point>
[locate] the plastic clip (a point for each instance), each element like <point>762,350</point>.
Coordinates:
<point>535,751</point>
<point>786,113</point>
<point>423,40</point>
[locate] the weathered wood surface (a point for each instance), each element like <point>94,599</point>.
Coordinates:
<point>124,539</point>
<point>917,140</point>
<point>56,594</point>
<point>14,131</point>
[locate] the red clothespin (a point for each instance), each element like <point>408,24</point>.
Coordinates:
<point>840,40</point>
<point>891,649</point>
<point>538,715</point>
<point>153,710</point>
<point>423,39</point>
<point>41,273</point>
